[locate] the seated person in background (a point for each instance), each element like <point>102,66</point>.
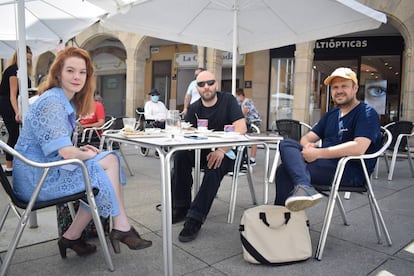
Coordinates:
<point>155,110</point>
<point>351,128</point>
<point>97,118</point>
<point>94,119</point>
<point>220,109</point>
<point>252,118</point>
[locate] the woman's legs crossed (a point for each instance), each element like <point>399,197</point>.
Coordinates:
<point>110,164</point>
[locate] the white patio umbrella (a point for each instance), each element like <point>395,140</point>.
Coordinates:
<point>240,26</point>
<point>43,25</point>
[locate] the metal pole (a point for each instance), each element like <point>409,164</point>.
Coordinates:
<point>235,50</point>
<point>22,63</point>
<point>22,76</point>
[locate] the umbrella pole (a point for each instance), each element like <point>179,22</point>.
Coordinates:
<point>235,50</point>
<point>22,74</point>
<point>22,56</point>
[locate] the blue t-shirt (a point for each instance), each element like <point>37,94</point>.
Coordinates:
<point>362,121</point>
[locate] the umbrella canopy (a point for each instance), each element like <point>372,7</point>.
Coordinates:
<point>259,24</point>
<point>240,26</point>
<point>43,25</point>
<point>49,23</point>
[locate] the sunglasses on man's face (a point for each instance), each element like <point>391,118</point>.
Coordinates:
<point>203,83</point>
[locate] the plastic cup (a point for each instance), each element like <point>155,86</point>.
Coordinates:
<point>129,124</point>
<point>202,125</point>
<point>228,128</point>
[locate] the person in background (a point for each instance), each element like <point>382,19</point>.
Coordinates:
<point>9,107</point>
<point>252,118</point>
<point>46,136</point>
<point>155,109</point>
<point>192,94</point>
<point>97,117</point>
<point>220,109</point>
<point>351,128</point>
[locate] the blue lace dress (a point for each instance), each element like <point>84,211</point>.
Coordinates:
<point>48,127</point>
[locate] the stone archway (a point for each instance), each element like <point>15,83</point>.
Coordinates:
<point>42,67</point>
<point>109,58</point>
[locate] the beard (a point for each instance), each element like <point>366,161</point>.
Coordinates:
<point>344,101</point>
<point>208,96</point>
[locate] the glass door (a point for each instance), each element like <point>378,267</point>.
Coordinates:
<point>281,90</point>
<point>161,80</point>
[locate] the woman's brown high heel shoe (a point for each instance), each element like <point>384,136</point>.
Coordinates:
<point>79,246</point>
<point>131,238</point>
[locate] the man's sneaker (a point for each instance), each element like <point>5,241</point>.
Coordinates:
<point>190,230</point>
<point>302,197</point>
<point>252,162</point>
<point>178,214</point>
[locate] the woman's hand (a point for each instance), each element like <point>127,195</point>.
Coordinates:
<point>17,118</point>
<point>90,150</point>
<point>82,153</point>
<point>89,147</point>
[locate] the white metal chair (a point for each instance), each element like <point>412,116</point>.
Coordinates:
<point>3,132</point>
<point>293,129</point>
<point>89,131</point>
<point>334,196</point>
<point>33,204</point>
<point>400,146</point>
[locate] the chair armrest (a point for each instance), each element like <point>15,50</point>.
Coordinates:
<point>342,162</point>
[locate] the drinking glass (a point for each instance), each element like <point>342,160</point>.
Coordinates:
<point>173,123</point>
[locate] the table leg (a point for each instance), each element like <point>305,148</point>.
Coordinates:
<point>266,174</point>
<point>197,171</point>
<point>165,162</point>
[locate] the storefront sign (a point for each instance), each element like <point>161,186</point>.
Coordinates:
<point>358,46</point>
<point>190,59</point>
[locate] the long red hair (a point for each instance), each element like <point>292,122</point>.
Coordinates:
<point>83,100</point>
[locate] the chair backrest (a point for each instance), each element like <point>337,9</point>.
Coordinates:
<point>289,128</point>
<point>397,128</point>
<point>387,139</point>
<point>109,121</point>
<point>118,124</point>
<point>140,113</point>
<point>253,129</point>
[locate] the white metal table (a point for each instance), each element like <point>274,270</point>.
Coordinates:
<point>158,142</point>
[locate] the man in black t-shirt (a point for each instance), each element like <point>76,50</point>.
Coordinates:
<point>220,109</point>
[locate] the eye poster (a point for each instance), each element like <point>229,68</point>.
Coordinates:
<point>376,94</point>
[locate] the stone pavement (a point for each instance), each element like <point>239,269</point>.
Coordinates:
<point>350,250</point>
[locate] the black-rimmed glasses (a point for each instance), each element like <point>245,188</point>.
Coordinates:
<point>203,83</point>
